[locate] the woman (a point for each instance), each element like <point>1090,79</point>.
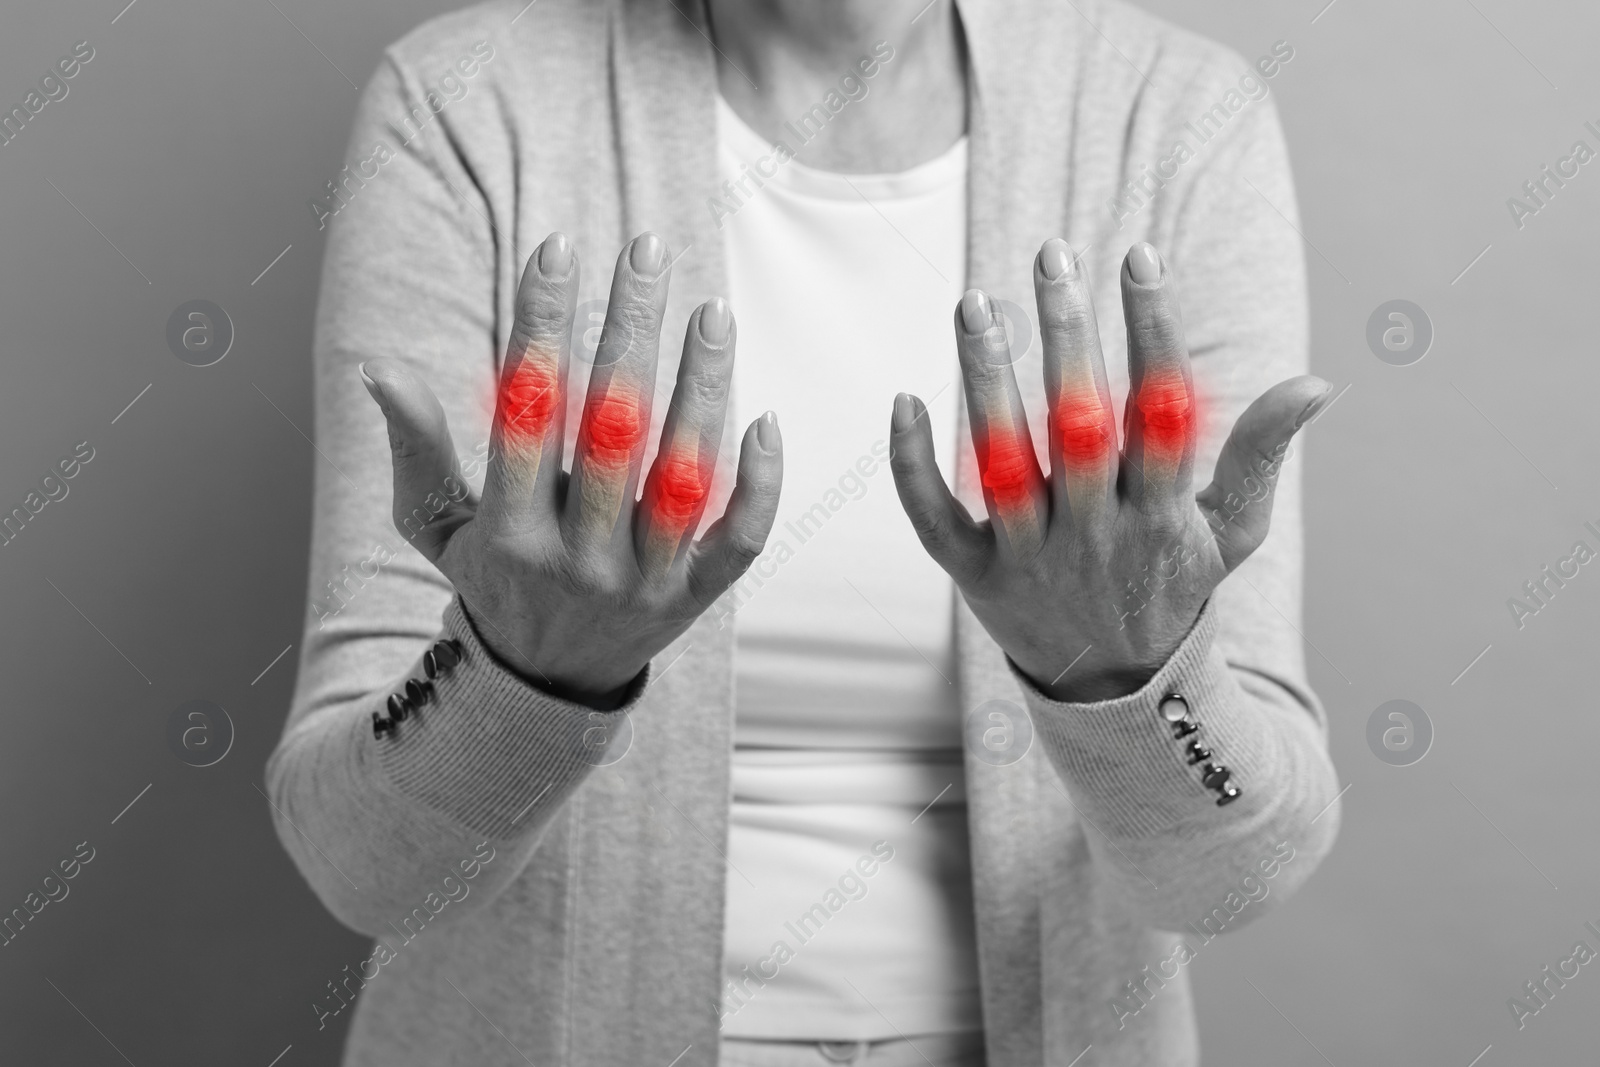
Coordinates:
<point>690,774</point>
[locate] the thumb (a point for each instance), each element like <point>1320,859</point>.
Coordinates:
<point>431,497</point>
<point>947,532</point>
<point>1238,502</point>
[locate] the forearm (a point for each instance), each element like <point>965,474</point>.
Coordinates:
<point>375,823</point>
<point>1154,827</point>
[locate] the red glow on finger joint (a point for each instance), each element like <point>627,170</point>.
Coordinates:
<point>1004,462</point>
<point>680,489</point>
<point>615,426</point>
<point>1083,427</point>
<point>528,400</point>
<point>1167,415</point>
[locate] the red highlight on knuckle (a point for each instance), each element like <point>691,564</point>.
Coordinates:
<point>528,401</point>
<point>1003,463</point>
<point>1083,428</point>
<point>1167,414</point>
<point>680,489</point>
<point>615,426</point>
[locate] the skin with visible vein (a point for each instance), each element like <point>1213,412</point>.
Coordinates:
<point>1065,570</point>
<point>569,581</point>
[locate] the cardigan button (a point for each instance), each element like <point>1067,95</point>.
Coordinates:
<point>418,692</point>
<point>1230,793</point>
<point>1198,753</point>
<point>1183,728</point>
<point>1214,775</point>
<point>430,664</point>
<point>447,653</point>
<point>1174,708</point>
<point>381,726</point>
<point>399,708</point>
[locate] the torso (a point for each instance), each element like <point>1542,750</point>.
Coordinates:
<point>847,729</point>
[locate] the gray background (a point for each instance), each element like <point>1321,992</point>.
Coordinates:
<point>192,141</point>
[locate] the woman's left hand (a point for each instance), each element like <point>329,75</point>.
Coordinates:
<point>1090,579</point>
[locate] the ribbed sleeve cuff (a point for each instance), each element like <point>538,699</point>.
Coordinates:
<point>489,750</point>
<point>1121,759</point>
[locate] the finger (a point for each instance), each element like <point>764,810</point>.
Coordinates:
<point>733,542</point>
<point>431,498</point>
<point>1083,425</point>
<point>1013,486</point>
<point>598,514</point>
<point>675,492</point>
<point>1238,502</point>
<point>959,545</point>
<point>1161,422</point>
<point>522,482</point>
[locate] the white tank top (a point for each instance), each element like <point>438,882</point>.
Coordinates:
<point>849,912</point>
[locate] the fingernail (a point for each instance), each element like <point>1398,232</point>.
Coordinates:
<point>1055,258</point>
<point>975,311</point>
<point>372,387</point>
<point>904,413</point>
<point>1310,411</point>
<point>767,435</point>
<point>648,256</point>
<point>555,256</point>
<point>1144,264</point>
<point>715,321</point>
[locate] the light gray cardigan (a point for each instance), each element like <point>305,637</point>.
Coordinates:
<point>593,933</point>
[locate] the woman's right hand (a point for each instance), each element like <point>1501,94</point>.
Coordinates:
<point>570,582</point>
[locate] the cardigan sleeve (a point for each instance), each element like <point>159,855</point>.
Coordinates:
<point>1231,237</point>
<point>374,823</point>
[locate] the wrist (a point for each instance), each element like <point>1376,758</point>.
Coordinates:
<point>596,699</point>
<point>1108,669</point>
<point>597,694</point>
<point>1092,686</point>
